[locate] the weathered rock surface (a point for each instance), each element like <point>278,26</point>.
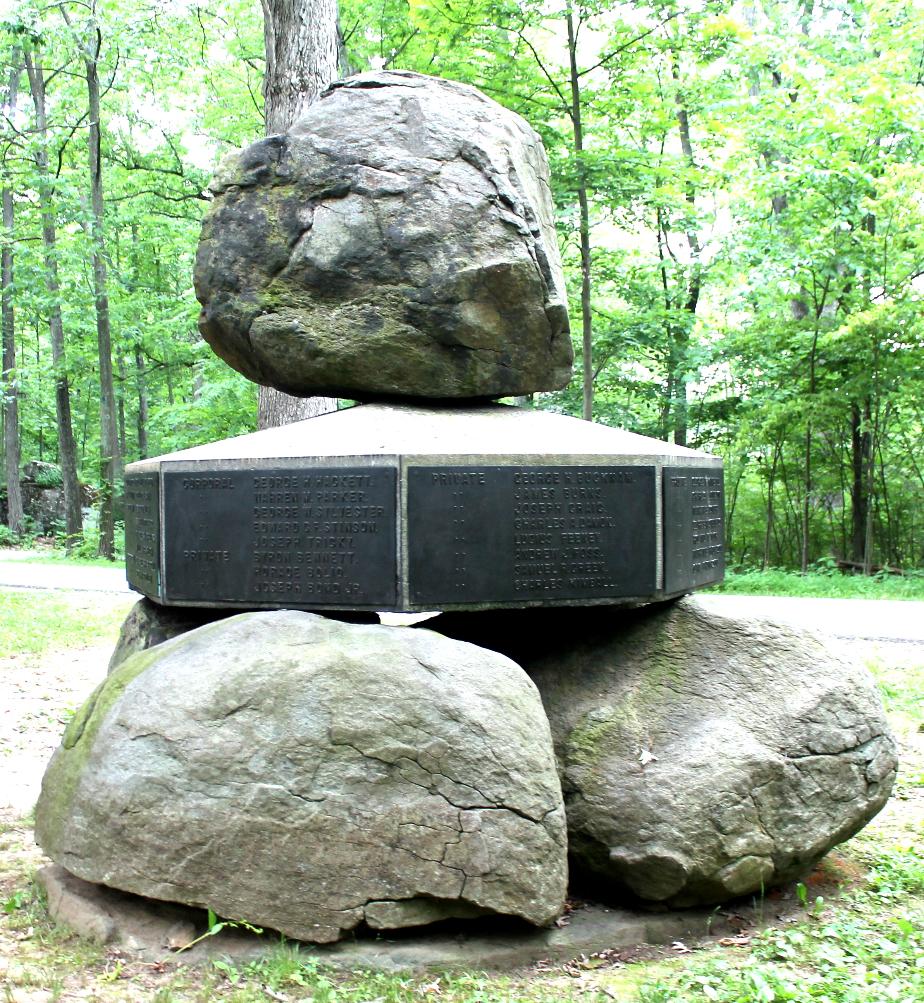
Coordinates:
<point>398,240</point>
<point>43,496</point>
<point>703,757</point>
<point>308,775</point>
<point>148,623</point>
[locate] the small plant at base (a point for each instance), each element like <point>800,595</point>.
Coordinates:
<point>112,974</point>
<point>224,966</point>
<point>216,925</point>
<point>802,895</point>
<point>16,901</point>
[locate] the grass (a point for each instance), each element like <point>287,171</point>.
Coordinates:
<point>862,941</point>
<point>902,690</point>
<point>59,557</point>
<point>854,954</point>
<point>34,621</point>
<point>822,584</point>
<point>38,552</point>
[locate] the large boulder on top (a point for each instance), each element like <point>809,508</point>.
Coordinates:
<point>309,775</point>
<point>398,240</point>
<point>703,756</point>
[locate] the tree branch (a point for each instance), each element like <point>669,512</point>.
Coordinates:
<point>628,45</point>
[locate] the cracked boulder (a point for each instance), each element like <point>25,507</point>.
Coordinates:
<point>703,756</point>
<point>397,241</point>
<point>310,776</point>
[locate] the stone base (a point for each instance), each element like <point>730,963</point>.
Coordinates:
<point>154,931</point>
<point>409,508</point>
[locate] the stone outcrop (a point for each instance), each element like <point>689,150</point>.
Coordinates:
<point>703,757</point>
<point>398,240</point>
<point>309,775</point>
<point>43,497</point>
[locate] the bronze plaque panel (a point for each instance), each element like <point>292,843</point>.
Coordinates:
<point>299,536</point>
<point>480,534</point>
<point>694,527</point>
<point>142,533</point>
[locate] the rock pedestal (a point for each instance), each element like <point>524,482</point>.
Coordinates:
<point>309,775</point>
<point>703,757</point>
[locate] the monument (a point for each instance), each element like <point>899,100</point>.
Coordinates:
<point>399,243</point>
<point>397,247</point>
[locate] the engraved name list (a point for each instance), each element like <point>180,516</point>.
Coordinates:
<point>527,533</point>
<point>299,536</point>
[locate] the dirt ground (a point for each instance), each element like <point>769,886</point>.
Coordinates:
<point>37,695</point>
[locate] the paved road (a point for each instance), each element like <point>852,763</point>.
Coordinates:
<point>852,619</point>
<point>17,571</point>
<point>861,619</point>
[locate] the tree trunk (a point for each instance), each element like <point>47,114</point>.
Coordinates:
<point>67,451</point>
<point>771,484</point>
<point>110,456</point>
<point>141,385</point>
<point>868,529</point>
<point>9,385</point>
<point>587,410</point>
<point>859,500</point>
<point>665,411</point>
<point>302,50</point>
<point>120,401</point>
<point>807,469</point>
<point>680,362</point>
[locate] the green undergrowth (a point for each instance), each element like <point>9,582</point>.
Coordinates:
<point>33,621</point>
<point>60,557</point>
<point>902,690</point>
<point>83,555</point>
<point>854,955</point>
<point>827,583</point>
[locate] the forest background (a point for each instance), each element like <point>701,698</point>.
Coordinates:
<point>739,189</point>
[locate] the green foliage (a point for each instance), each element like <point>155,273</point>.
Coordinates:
<point>214,926</point>
<point>48,477</point>
<point>821,584</point>
<point>180,88</point>
<point>902,690</point>
<point>859,955</point>
<point>16,901</point>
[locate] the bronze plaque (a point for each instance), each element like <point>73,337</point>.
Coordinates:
<point>694,527</point>
<point>299,537</point>
<point>481,534</point>
<point>142,533</point>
